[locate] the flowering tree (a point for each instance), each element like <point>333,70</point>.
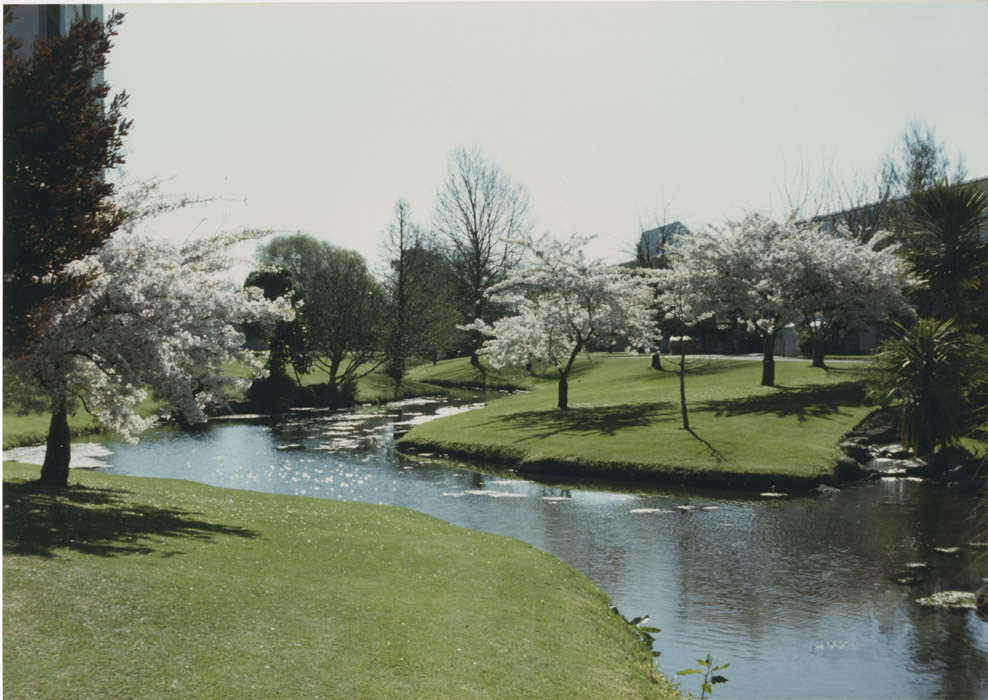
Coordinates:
<point>564,305</point>
<point>749,270</point>
<point>156,318</point>
<point>845,280</point>
<point>769,275</point>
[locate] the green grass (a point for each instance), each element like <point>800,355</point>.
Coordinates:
<point>122,587</point>
<point>460,373</point>
<point>624,422</point>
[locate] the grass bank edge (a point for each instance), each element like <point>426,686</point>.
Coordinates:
<point>532,625</point>
<point>645,473</point>
<point>27,429</point>
<point>533,453</point>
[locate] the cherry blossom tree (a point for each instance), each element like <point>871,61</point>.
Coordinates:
<point>748,270</point>
<point>564,305</point>
<point>768,275</point>
<point>845,281</point>
<point>156,319</point>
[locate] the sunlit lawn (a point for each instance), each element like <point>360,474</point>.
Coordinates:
<point>624,421</point>
<point>124,587</point>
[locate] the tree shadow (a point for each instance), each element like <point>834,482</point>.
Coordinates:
<point>804,402</point>
<point>37,520</point>
<point>588,420</point>
<point>714,452</point>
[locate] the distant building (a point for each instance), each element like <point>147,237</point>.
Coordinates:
<point>656,244</point>
<point>33,22</point>
<point>876,216</point>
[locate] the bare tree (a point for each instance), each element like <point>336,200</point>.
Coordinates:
<point>862,208</point>
<point>919,161</point>
<point>479,211</point>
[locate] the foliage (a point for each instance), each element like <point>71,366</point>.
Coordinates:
<point>422,314</point>
<point>644,633</point>
<point>155,317</point>
<point>710,678</point>
<point>748,270</point>
<point>287,342</point>
<point>563,304</point>
<point>930,372</point>
<point>343,307</point>
<point>59,137</point>
<point>769,275</point>
<point>479,212</point>
<point>944,248</point>
<point>845,281</point>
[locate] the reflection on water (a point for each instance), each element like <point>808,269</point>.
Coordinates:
<point>801,595</point>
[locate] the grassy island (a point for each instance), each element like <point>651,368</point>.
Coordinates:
<point>624,423</point>
<point>130,587</point>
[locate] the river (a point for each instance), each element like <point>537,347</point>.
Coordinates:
<point>801,594</point>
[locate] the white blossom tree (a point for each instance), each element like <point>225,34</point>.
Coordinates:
<point>565,304</point>
<point>156,319</point>
<point>845,281</point>
<point>768,275</point>
<point>748,270</point>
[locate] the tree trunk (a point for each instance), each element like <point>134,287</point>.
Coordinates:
<point>58,452</point>
<point>657,362</point>
<point>475,359</point>
<point>682,390</point>
<point>819,354</point>
<point>563,401</point>
<point>768,361</point>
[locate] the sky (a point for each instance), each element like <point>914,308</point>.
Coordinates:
<point>615,116</point>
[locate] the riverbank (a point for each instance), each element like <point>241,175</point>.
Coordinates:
<point>173,589</point>
<point>23,430</point>
<point>624,423</point>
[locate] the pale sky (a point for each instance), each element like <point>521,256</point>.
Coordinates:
<point>613,115</point>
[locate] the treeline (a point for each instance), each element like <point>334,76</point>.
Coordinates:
<point>350,322</point>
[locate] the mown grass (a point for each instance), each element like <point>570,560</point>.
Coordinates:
<point>460,373</point>
<point>624,422</point>
<point>122,587</point>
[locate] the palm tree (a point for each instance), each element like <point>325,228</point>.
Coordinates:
<point>929,373</point>
<point>945,249</point>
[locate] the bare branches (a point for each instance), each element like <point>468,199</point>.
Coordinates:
<point>479,210</point>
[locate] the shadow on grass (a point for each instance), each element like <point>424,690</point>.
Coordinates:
<point>597,420</point>
<point>804,402</point>
<point>714,452</point>
<point>100,521</point>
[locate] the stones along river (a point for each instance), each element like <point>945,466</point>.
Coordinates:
<point>805,596</point>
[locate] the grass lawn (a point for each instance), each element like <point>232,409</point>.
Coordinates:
<point>123,587</point>
<point>624,422</point>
